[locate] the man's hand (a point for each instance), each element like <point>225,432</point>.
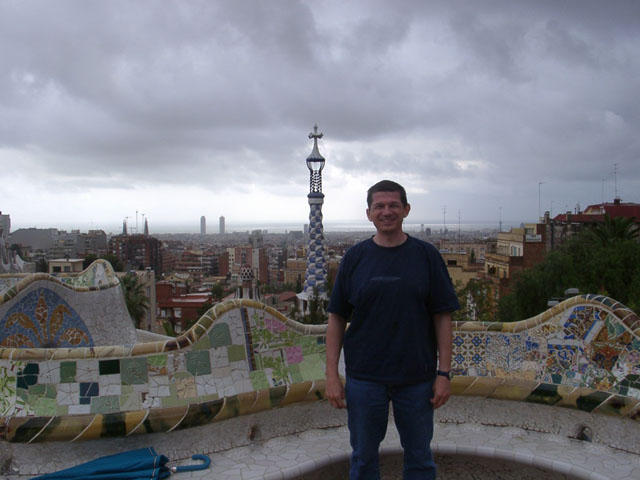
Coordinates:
<point>334,391</point>
<point>441,391</point>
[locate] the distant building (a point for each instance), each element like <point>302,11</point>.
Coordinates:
<point>203,225</point>
<point>256,239</point>
<point>65,265</point>
<point>137,252</point>
<point>179,309</point>
<point>516,250</point>
<point>566,225</point>
<point>5,226</point>
<point>36,238</point>
<point>221,227</point>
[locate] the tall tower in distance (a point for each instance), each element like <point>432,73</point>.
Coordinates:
<point>221,226</point>
<point>203,225</point>
<point>316,274</point>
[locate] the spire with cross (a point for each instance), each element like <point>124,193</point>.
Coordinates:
<point>316,274</point>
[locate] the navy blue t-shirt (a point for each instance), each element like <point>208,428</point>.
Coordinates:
<point>393,293</point>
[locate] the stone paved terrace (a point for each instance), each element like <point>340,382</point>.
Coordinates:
<point>245,385</point>
<point>320,450</point>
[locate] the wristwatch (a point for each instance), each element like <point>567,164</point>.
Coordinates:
<point>447,374</point>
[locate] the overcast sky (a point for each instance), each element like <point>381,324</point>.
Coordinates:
<point>178,109</point>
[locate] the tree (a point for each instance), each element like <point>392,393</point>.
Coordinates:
<point>591,262</point>
<point>109,257</point>
<point>476,301</point>
<point>615,229</point>
<point>218,292</point>
<point>137,302</point>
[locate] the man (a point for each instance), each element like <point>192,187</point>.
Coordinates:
<point>398,295</point>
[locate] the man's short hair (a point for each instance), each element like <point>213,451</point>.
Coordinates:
<point>387,186</point>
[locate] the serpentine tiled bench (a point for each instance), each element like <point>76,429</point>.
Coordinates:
<point>243,357</point>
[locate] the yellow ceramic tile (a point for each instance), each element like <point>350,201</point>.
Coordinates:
<point>93,430</point>
<point>296,393</point>
<point>146,348</point>
<point>483,386</point>
<point>512,389</point>
<point>246,401</point>
<point>65,428</point>
<point>460,384</point>
<point>262,401</point>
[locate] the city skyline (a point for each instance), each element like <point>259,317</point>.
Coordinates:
<point>500,110</point>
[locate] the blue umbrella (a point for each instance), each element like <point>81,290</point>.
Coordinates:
<point>141,464</point>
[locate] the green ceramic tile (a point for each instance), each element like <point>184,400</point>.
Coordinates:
<point>133,371</point>
<point>157,360</point>
<point>105,404</point>
<point>310,345</point>
<point>236,353</point>
<point>45,407</point>
<point>276,394</point>
<point>312,367</point>
<point>126,389</point>
<point>37,390</point>
<point>50,391</point>
<point>130,401</point>
<point>62,410</point>
<point>258,380</point>
<point>544,393</point>
<point>209,398</point>
<point>296,375</point>
<point>198,363</point>
<point>173,401</point>
<point>220,335</point>
<point>591,401</point>
<point>67,372</point>
<point>203,344</point>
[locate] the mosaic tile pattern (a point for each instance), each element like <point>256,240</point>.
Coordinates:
<point>99,275</point>
<point>64,311</point>
<point>244,357</point>
<point>43,319</point>
<point>177,384</point>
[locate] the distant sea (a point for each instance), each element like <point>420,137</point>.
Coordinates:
<point>328,227</point>
<point>194,227</point>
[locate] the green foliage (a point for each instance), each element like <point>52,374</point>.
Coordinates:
<point>218,292</point>
<point>109,257</point>
<point>602,260</point>
<point>278,288</point>
<point>475,301</point>
<point>168,329</point>
<point>42,265</point>
<point>615,229</point>
<point>137,302</point>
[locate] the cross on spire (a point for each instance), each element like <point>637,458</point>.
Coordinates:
<point>315,135</point>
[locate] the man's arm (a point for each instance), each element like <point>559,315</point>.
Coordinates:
<point>444,337</point>
<point>335,335</point>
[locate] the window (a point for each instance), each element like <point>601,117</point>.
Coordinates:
<point>57,269</point>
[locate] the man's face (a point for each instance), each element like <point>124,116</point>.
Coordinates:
<point>387,212</point>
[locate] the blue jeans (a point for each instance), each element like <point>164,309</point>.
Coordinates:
<point>368,416</point>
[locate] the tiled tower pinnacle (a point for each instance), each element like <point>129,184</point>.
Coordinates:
<point>316,274</point>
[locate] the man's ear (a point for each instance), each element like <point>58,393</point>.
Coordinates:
<point>368,217</point>
<point>407,209</point>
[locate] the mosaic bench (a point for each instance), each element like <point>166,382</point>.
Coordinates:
<point>243,357</point>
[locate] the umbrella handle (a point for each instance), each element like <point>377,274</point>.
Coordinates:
<point>191,468</point>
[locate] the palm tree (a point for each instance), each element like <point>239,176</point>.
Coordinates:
<point>137,302</point>
<point>615,229</point>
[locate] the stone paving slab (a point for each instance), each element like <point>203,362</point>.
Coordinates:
<point>300,455</point>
